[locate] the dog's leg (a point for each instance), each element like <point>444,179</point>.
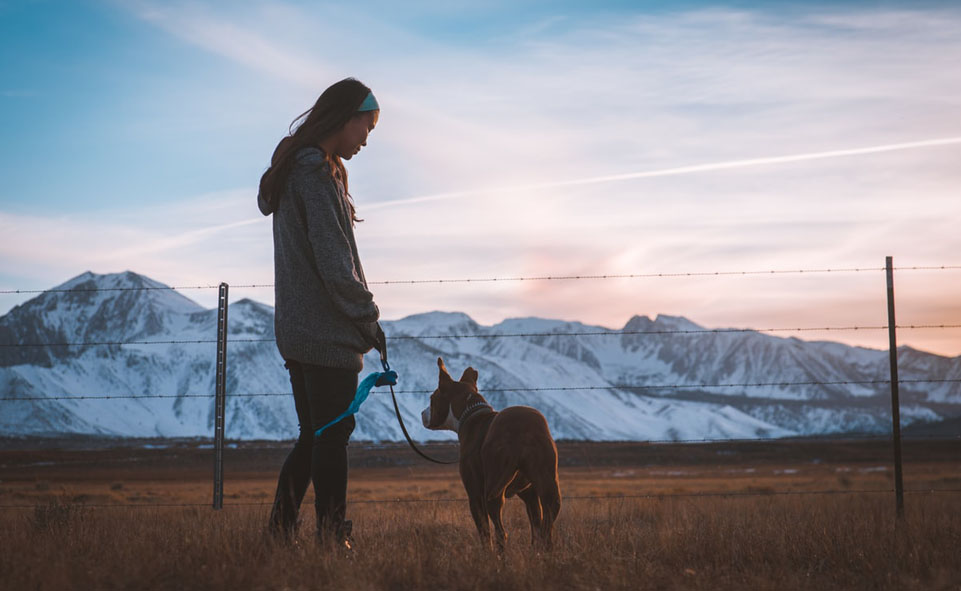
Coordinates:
<point>494,499</point>
<point>495,507</point>
<point>533,504</point>
<point>474,486</point>
<point>479,514</point>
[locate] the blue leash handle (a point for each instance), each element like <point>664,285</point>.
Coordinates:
<point>377,378</point>
<point>388,377</point>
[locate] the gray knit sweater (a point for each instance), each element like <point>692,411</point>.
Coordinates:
<point>324,313</point>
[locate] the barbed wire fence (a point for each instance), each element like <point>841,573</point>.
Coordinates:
<point>221,369</point>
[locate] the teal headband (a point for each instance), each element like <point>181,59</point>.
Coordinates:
<point>369,104</point>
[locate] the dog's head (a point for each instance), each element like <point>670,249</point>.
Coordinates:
<point>451,399</point>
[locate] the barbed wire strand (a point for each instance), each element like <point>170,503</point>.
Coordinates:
<point>506,390</point>
<point>657,275</point>
<point>509,279</point>
<point>121,343</point>
<point>791,440</point>
<point>609,498</point>
<point>99,289</point>
<point>401,337</point>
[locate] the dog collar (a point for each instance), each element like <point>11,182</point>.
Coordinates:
<point>472,410</point>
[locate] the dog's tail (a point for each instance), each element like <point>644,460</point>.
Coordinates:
<point>543,475</point>
<point>549,494</point>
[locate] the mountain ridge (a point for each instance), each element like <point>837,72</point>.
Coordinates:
<point>612,385</point>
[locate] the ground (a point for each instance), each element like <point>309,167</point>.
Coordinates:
<point>778,514</point>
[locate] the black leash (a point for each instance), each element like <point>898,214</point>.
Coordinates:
<point>400,419</point>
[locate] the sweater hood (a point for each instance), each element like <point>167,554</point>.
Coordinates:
<point>307,155</point>
<point>264,204</point>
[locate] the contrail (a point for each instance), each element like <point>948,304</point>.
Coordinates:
<point>674,171</point>
<point>178,240</point>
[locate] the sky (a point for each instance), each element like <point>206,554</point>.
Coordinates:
<point>516,139</point>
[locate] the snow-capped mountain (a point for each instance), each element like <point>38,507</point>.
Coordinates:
<point>643,382</point>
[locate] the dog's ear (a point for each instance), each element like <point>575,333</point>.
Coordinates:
<point>470,376</point>
<point>444,376</point>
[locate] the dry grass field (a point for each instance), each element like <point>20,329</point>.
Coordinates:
<point>768,515</point>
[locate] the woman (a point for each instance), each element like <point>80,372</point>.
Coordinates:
<point>325,317</point>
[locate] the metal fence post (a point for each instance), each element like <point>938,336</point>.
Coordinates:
<point>221,398</point>
<point>895,403</point>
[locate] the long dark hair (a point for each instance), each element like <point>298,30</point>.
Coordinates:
<point>329,114</point>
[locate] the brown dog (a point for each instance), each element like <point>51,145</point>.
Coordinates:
<point>501,454</point>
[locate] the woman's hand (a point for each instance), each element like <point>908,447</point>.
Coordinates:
<point>375,337</point>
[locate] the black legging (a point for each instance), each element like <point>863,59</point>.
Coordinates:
<point>320,394</point>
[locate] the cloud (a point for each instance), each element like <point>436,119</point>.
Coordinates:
<point>647,92</point>
<point>692,140</point>
<point>179,244</point>
<point>210,31</point>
